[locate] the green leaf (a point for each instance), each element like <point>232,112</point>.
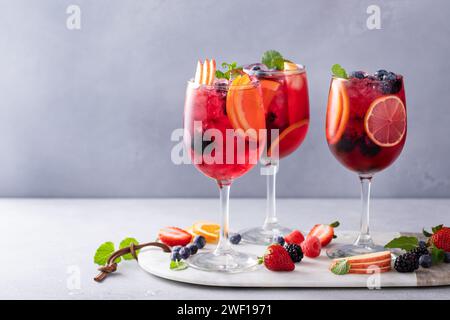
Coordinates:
<point>335,224</point>
<point>220,75</point>
<point>273,60</point>
<point>338,71</point>
<point>126,243</point>
<point>437,228</point>
<point>178,265</point>
<point>426,233</point>
<point>104,252</point>
<point>405,243</point>
<point>437,255</point>
<point>341,267</point>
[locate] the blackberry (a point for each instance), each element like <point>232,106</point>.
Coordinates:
<point>407,262</point>
<point>295,252</point>
<point>420,251</point>
<point>368,148</point>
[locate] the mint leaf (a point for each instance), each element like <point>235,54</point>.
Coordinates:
<point>220,75</point>
<point>338,71</point>
<point>273,60</point>
<point>405,243</point>
<point>178,265</point>
<point>126,243</point>
<point>103,253</point>
<point>341,267</point>
<point>437,255</point>
<point>230,70</point>
<point>437,228</point>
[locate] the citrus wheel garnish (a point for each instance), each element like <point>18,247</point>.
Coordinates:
<point>337,111</point>
<point>244,107</point>
<point>292,135</point>
<point>385,121</point>
<point>209,230</point>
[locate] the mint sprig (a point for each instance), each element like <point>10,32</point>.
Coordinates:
<point>273,60</point>
<point>341,267</point>
<point>230,70</point>
<point>178,265</point>
<point>405,243</point>
<point>437,255</point>
<point>338,71</point>
<point>105,250</point>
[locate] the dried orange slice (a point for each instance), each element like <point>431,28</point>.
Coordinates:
<point>385,121</point>
<point>244,107</point>
<point>292,135</point>
<point>209,230</point>
<point>337,111</point>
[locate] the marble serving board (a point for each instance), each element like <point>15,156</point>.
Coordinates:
<point>308,273</point>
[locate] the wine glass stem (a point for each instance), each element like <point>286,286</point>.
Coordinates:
<point>271,210</point>
<point>223,246</point>
<point>364,238</point>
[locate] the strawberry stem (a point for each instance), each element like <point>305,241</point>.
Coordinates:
<point>334,224</point>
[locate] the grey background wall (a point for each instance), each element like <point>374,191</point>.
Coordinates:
<point>90,112</point>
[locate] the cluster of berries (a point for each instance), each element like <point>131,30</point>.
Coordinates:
<point>183,252</point>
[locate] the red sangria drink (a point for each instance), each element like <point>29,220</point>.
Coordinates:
<point>224,133</point>
<point>366,132</point>
<point>284,89</point>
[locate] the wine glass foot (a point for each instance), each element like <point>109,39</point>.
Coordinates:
<point>263,235</point>
<point>342,251</point>
<point>230,262</point>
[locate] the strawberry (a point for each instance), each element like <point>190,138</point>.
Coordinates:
<point>440,237</point>
<point>294,237</point>
<point>173,236</point>
<point>325,232</point>
<point>311,247</point>
<point>276,258</point>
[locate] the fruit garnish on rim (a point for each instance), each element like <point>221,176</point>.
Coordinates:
<point>205,72</point>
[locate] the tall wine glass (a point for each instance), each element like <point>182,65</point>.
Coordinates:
<point>366,131</point>
<point>286,103</point>
<point>222,126</point>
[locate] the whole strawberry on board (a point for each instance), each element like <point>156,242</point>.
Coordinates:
<point>276,258</point>
<point>325,232</point>
<point>439,238</point>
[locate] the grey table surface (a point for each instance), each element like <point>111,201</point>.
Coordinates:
<point>48,244</point>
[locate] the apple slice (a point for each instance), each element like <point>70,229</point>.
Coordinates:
<point>370,257</point>
<point>205,74</point>
<point>212,72</point>
<point>365,265</point>
<point>369,271</point>
<point>199,73</point>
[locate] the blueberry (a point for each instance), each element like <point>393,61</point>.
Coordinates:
<point>192,248</point>
<point>235,238</point>
<point>447,257</point>
<point>176,248</point>
<point>390,76</point>
<point>175,255</point>
<point>422,244</point>
<point>380,74</point>
<point>358,74</point>
<point>184,253</point>
<point>345,144</point>
<point>425,261</point>
<point>368,148</point>
<point>279,239</point>
<point>200,242</point>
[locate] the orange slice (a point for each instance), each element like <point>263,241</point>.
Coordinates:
<point>245,107</point>
<point>290,66</point>
<point>337,111</point>
<point>385,121</point>
<point>292,135</point>
<point>269,89</point>
<point>209,230</point>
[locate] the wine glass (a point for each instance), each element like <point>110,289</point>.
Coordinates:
<point>365,131</point>
<point>222,124</point>
<point>286,103</point>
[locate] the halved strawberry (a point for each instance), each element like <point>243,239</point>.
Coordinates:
<point>325,232</point>
<point>277,258</point>
<point>294,237</point>
<point>173,236</point>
